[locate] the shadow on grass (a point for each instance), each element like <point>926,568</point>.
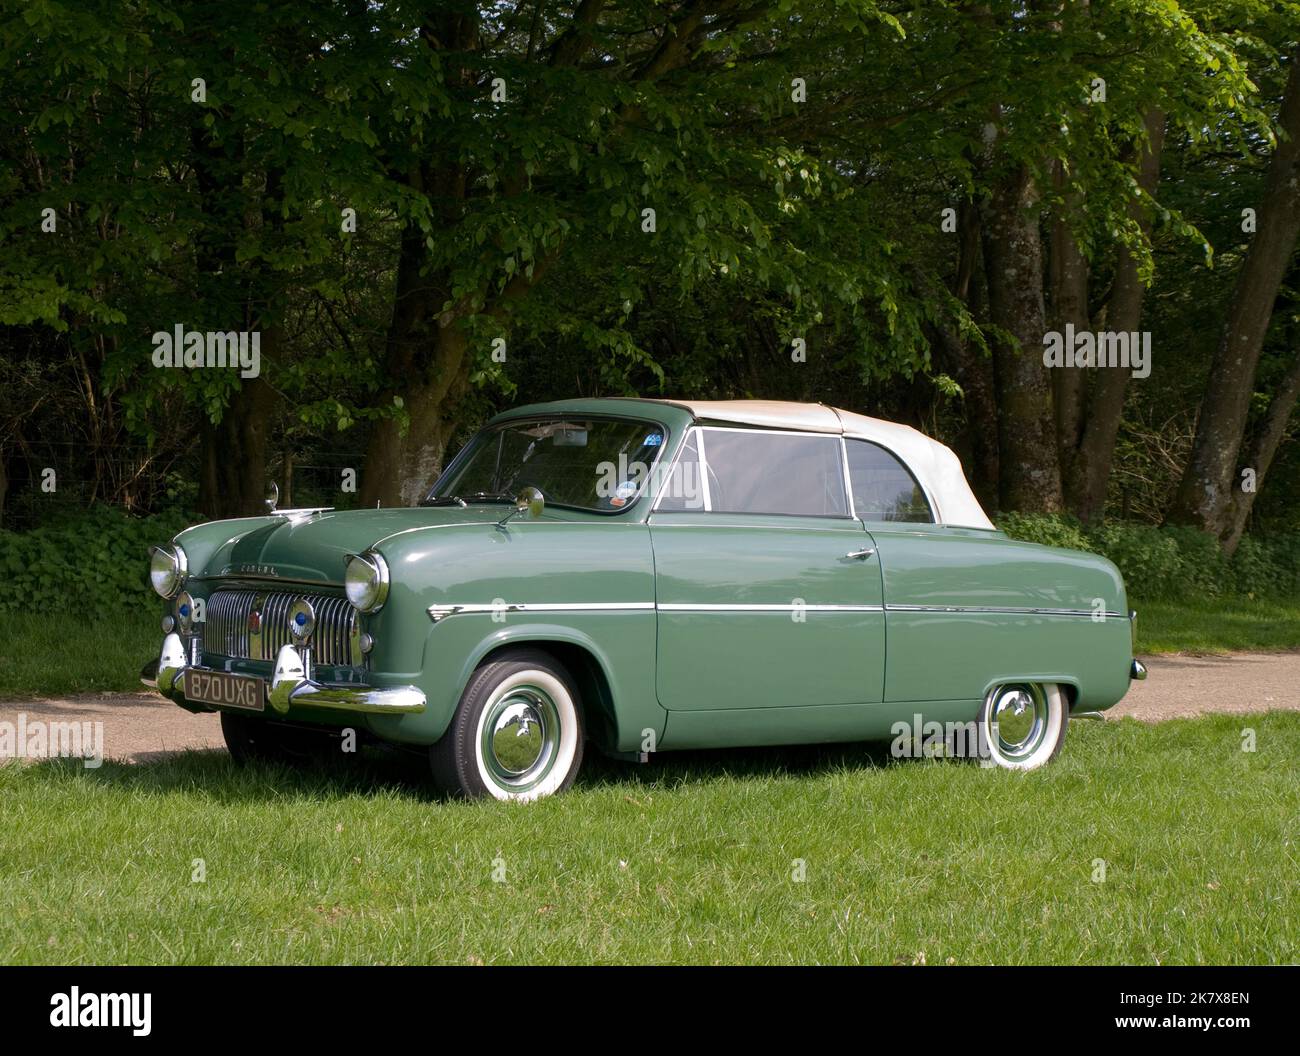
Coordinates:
<point>379,771</point>
<point>212,773</point>
<point>701,766</point>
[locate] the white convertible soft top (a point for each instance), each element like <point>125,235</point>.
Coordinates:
<point>936,467</point>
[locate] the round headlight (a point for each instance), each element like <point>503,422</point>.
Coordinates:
<point>366,581</point>
<point>302,619</point>
<point>167,569</point>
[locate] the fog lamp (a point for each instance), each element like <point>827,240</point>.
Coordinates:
<point>302,619</point>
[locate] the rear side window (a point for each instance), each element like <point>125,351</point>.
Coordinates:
<point>883,488</point>
<point>778,473</point>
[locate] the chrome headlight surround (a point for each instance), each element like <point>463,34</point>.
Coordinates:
<point>168,568</point>
<point>365,581</point>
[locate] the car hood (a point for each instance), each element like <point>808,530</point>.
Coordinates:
<point>310,547</point>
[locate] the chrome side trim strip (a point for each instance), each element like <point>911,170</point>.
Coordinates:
<point>440,612</point>
<point>1010,611</point>
<point>789,607</point>
<point>577,606</point>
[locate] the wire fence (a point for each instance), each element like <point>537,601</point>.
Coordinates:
<point>42,482</point>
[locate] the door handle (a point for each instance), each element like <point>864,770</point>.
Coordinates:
<point>862,555</point>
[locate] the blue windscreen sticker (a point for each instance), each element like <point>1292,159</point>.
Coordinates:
<point>654,440</point>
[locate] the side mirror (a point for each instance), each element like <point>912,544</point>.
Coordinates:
<point>530,501</point>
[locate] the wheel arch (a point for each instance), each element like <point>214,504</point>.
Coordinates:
<point>579,656</point>
<point>1068,684</point>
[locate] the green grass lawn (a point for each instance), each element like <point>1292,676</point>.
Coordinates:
<point>1217,626</point>
<point>692,858</point>
<point>44,654</point>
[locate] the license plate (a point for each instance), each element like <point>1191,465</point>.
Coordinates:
<point>226,690</point>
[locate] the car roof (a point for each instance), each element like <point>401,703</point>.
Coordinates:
<point>937,468</point>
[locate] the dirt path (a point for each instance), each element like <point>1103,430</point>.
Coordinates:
<point>1182,686</point>
<point>141,726</point>
<point>138,727</point>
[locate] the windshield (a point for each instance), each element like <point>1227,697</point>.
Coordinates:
<point>595,464</point>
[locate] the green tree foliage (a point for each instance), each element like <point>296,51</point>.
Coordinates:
<point>499,160</point>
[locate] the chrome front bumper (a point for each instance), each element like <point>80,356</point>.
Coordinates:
<point>290,684</point>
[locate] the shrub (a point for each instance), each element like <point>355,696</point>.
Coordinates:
<point>1173,563</point>
<point>1268,567</point>
<point>1150,559</point>
<point>1047,529</point>
<point>94,563</point>
<point>1253,570</point>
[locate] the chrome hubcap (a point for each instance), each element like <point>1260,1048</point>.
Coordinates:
<point>521,732</point>
<point>1018,719</point>
<point>517,738</point>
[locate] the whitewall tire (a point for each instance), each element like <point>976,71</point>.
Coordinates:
<point>517,732</point>
<point>1022,725</point>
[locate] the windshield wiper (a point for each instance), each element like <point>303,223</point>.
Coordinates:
<point>476,496</point>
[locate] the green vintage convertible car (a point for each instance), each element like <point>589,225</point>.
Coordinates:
<point>644,575</point>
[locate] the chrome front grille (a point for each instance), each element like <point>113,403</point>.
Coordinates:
<point>230,628</point>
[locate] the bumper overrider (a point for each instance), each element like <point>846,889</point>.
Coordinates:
<point>290,685</point>
<point>1137,671</point>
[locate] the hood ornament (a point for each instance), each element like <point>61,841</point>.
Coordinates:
<point>294,516</point>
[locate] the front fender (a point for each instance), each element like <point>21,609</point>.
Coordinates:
<point>619,645</point>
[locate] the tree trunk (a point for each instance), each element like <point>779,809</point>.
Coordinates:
<point>401,466</point>
<point>1029,471</point>
<point>1087,473</point>
<point>1068,281</point>
<point>1261,452</point>
<point>1205,494</point>
<point>427,356</point>
<point>286,472</point>
<point>233,469</point>
<point>232,458</point>
<point>972,369</point>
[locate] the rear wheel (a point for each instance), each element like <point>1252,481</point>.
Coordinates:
<point>1023,724</point>
<point>517,732</point>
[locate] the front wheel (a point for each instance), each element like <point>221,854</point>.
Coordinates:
<point>256,740</point>
<point>1022,725</point>
<point>517,732</point>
